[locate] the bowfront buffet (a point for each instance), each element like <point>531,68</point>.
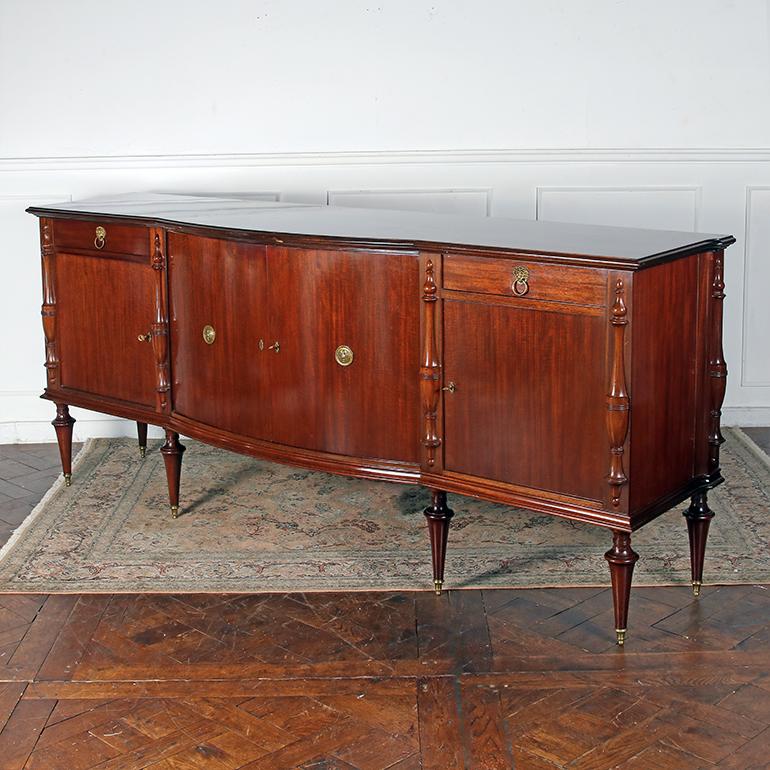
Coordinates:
<point>567,369</point>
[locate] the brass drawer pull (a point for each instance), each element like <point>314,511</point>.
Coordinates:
<point>450,388</point>
<point>343,355</point>
<point>276,346</point>
<point>209,334</point>
<point>145,337</point>
<point>520,280</point>
<point>101,237</point>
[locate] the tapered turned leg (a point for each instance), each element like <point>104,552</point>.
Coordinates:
<point>63,425</point>
<point>621,558</point>
<point>438,516</point>
<point>141,429</point>
<point>698,516</point>
<point>172,452</point>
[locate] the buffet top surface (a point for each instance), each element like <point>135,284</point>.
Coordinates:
<point>378,228</point>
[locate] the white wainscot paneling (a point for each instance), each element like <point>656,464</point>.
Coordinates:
<point>475,202</point>
<point>756,280</point>
<point>662,208</point>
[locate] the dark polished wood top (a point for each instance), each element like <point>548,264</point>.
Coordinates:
<point>380,228</point>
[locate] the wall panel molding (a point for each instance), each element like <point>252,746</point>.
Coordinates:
<point>449,200</point>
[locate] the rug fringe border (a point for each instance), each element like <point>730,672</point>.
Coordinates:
<point>35,512</point>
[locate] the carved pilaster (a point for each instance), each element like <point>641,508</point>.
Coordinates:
<point>618,402</point>
<point>160,325</point>
<point>430,369</point>
<point>717,368</point>
<point>48,311</point>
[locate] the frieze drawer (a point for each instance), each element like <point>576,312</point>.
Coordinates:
<point>98,236</point>
<point>525,279</point>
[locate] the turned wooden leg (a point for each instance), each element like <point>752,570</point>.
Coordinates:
<point>172,452</point>
<point>621,558</point>
<point>438,516</point>
<point>141,430</point>
<point>63,424</point>
<point>698,516</point>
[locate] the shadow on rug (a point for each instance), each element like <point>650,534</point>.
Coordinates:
<point>254,526</point>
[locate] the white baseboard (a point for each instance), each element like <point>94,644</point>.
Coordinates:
<point>746,416</point>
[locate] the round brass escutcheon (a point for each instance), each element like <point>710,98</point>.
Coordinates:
<point>101,237</point>
<point>343,355</point>
<point>209,335</point>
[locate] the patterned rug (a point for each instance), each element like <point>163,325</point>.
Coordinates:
<point>253,526</point>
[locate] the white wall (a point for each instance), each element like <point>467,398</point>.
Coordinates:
<point>654,114</point>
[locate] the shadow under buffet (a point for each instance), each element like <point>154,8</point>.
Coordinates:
<point>568,369</point>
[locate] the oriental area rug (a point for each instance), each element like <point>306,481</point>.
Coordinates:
<point>253,526</point>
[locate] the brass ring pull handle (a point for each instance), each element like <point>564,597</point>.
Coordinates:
<point>450,387</point>
<point>276,346</point>
<point>209,334</point>
<point>343,355</point>
<point>520,280</point>
<point>101,237</point>
<point>145,337</point>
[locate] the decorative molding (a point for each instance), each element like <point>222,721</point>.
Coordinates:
<point>392,157</point>
<point>618,402</point>
<point>747,261</point>
<point>430,371</point>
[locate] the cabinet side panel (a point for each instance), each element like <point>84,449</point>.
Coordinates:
<point>664,383</point>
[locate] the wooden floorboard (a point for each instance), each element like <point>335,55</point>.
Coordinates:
<point>527,679</point>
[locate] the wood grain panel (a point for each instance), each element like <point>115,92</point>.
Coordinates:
<point>319,301</point>
<point>102,307</point>
<point>221,284</point>
<point>529,408</point>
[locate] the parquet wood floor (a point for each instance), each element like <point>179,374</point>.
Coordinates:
<point>529,679</point>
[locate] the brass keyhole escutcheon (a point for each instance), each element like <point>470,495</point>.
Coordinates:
<point>209,334</point>
<point>101,237</point>
<point>520,280</point>
<point>450,387</point>
<point>145,337</point>
<point>343,355</point>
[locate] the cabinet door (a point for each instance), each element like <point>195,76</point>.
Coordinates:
<point>529,406</point>
<point>217,295</point>
<point>320,301</point>
<point>103,305</point>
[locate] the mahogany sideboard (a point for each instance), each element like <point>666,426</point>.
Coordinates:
<point>568,369</point>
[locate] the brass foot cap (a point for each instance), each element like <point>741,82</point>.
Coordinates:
<point>67,479</point>
<point>696,584</point>
<point>174,511</point>
<point>143,451</point>
<point>621,634</point>
<point>437,586</point>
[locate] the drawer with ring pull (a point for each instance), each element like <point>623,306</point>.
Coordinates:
<point>77,235</point>
<point>525,279</point>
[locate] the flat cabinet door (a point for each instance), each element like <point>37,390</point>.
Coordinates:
<point>529,406</point>
<point>217,294</point>
<point>322,301</point>
<point>103,305</point>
